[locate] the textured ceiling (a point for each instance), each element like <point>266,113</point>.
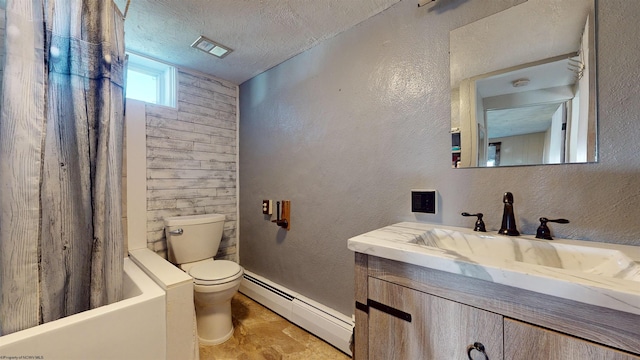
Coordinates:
<point>263,33</point>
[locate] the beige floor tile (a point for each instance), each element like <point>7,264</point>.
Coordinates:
<point>261,334</point>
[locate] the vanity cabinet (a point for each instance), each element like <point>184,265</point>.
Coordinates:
<point>405,311</point>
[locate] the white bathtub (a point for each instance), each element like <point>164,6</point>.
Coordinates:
<point>134,328</point>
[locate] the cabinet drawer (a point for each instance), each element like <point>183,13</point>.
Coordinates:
<point>524,341</point>
<point>438,329</point>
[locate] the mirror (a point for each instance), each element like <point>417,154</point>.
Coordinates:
<point>523,86</point>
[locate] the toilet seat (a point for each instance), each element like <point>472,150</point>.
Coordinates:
<point>215,272</point>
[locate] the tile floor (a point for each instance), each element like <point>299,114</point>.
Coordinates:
<point>260,334</point>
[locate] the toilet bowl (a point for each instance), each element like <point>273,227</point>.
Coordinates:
<point>212,297</point>
<point>192,242</point>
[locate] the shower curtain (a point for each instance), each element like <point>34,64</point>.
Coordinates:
<point>61,124</point>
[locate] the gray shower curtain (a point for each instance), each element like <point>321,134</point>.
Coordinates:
<point>61,124</point>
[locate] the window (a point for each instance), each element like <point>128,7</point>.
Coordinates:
<point>150,81</point>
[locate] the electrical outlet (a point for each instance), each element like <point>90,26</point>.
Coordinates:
<point>267,207</point>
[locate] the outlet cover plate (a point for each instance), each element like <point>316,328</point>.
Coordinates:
<point>267,207</point>
<point>424,201</point>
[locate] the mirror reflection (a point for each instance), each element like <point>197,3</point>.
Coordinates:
<point>523,86</point>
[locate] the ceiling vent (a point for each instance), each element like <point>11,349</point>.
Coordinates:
<point>211,47</point>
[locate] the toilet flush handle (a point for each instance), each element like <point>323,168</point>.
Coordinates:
<point>176,231</point>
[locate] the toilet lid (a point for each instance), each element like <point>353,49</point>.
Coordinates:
<point>215,272</point>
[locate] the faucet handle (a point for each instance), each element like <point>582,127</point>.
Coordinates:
<point>543,230</point>
<point>479,223</point>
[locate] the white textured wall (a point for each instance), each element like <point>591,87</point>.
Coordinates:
<point>192,158</point>
<point>346,129</point>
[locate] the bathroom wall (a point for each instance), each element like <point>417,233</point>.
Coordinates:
<point>521,149</point>
<point>346,129</point>
<point>192,158</point>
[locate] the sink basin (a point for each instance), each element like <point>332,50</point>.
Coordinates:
<point>591,260</point>
<point>601,274</point>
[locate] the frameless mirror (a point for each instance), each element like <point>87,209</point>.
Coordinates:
<point>524,86</point>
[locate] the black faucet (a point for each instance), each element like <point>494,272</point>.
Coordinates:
<point>508,218</point>
<point>479,223</point>
<point>543,230</point>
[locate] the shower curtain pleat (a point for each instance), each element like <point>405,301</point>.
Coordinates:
<point>61,240</point>
<point>21,136</point>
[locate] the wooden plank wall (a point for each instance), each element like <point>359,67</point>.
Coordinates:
<point>192,158</point>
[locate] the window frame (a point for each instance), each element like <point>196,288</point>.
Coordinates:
<point>165,75</point>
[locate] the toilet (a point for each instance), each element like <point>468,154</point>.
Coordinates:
<point>192,242</point>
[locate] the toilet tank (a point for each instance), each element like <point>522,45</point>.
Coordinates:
<point>193,237</point>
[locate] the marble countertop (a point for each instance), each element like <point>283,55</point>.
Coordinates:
<point>595,273</point>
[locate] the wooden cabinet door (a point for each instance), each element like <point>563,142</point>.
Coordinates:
<point>523,341</point>
<point>439,329</point>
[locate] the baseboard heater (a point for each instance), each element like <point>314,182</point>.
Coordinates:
<point>325,323</point>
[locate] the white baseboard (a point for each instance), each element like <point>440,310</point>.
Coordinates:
<point>325,323</point>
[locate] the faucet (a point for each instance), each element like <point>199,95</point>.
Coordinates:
<point>479,223</point>
<point>508,218</point>
<point>543,230</point>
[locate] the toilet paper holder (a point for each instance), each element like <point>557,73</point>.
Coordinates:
<point>283,218</point>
